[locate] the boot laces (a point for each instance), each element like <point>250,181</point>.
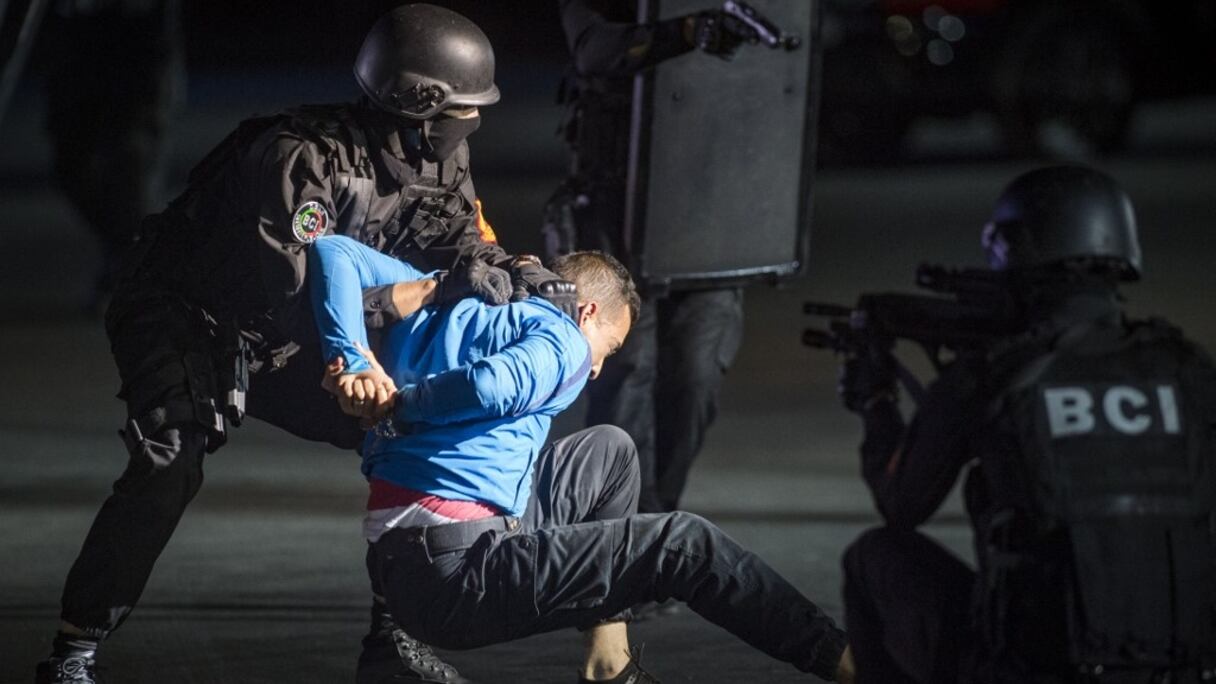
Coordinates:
<point>639,674</point>
<point>419,655</point>
<point>73,669</point>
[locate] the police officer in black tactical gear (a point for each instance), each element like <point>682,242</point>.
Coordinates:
<point>208,320</point>
<point>662,386</point>
<point>1093,490</point>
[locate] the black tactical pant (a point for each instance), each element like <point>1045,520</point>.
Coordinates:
<point>172,370</point>
<point>579,558</point>
<point>907,603</point>
<point>662,386</point>
<point>908,614</point>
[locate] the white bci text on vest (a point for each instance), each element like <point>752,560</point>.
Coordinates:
<point>1125,409</point>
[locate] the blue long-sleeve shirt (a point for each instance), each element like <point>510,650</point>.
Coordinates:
<point>478,384</point>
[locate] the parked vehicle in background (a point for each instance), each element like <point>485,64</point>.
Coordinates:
<point>1061,77</point>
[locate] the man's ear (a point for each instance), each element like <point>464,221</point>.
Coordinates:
<point>587,311</point>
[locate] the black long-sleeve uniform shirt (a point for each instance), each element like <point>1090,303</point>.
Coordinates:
<point>234,242</point>
<point>607,41</point>
<point>910,468</point>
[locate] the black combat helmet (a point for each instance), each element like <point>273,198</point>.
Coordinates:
<point>1064,215</point>
<point>419,60</point>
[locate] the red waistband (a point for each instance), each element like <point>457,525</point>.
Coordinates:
<point>384,494</point>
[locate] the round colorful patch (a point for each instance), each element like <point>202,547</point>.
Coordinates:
<point>310,222</point>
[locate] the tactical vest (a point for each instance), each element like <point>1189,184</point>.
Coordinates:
<point>597,128</point>
<point>1095,509</point>
<point>208,238</point>
<point>587,211</point>
<point>404,224</point>
<point>598,110</point>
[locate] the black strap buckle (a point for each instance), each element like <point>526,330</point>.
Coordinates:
<point>131,435</point>
<point>419,99</point>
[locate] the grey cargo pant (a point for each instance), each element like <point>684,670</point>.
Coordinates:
<point>581,556</point>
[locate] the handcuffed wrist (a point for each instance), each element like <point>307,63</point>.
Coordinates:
<point>393,425</point>
<point>389,428</point>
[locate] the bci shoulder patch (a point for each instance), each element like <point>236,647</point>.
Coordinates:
<point>310,221</point>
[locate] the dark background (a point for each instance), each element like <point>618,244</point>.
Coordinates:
<point>264,580</point>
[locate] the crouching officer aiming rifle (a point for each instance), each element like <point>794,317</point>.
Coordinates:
<point>1091,441</point>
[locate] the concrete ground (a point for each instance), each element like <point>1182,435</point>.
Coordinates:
<point>264,580</point>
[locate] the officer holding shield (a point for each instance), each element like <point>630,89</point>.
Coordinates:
<point>662,388</point>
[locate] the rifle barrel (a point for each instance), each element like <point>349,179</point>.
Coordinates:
<point>820,339</point>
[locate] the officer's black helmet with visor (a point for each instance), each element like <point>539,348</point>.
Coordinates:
<point>1072,217</point>
<point>419,60</point>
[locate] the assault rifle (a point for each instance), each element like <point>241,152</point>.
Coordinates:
<point>982,307</point>
<point>758,28</point>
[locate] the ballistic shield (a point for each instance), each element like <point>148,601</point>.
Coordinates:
<point>722,155</point>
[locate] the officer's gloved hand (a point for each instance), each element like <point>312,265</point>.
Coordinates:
<point>867,378</point>
<point>717,33</point>
<point>529,278</point>
<point>475,278</point>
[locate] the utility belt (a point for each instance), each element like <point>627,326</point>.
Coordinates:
<point>217,366</point>
<point>249,353</point>
<point>220,346</point>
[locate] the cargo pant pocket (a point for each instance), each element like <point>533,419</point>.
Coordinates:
<point>574,574</point>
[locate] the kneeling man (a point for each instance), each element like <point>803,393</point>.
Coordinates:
<point>478,534</point>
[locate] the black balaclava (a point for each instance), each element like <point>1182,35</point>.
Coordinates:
<point>442,135</point>
<point>397,138</point>
<point>1077,297</point>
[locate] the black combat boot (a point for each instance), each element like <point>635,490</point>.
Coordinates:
<point>72,659</point>
<point>73,670</point>
<point>392,656</point>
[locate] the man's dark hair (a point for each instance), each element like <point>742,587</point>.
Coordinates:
<point>600,277</point>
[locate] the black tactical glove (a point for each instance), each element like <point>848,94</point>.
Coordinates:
<point>867,378</point>
<point>717,33</point>
<point>529,278</point>
<point>475,278</point>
